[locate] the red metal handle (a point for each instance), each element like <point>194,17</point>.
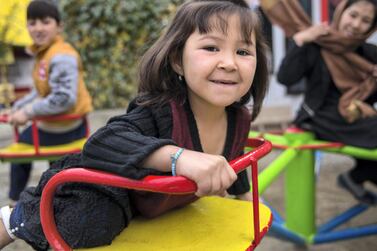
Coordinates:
<point>63,117</point>
<point>163,184</point>
<point>51,118</point>
<point>4,118</point>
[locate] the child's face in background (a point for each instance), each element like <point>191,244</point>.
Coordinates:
<point>218,68</point>
<point>357,19</point>
<point>43,31</point>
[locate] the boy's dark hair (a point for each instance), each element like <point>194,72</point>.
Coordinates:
<point>40,9</point>
<point>158,81</point>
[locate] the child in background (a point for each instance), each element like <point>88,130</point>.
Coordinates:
<point>188,119</point>
<point>58,88</point>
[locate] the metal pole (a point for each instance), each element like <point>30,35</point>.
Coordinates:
<point>300,188</point>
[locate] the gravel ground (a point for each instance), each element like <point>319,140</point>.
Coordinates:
<point>331,200</point>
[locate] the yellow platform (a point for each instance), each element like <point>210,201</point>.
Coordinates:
<point>209,224</point>
<point>19,151</point>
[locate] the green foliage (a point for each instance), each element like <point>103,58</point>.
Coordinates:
<point>111,35</point>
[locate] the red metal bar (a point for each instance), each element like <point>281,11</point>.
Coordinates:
<point>16,134</point>
<point>254,178</point>
<point>325,11</point>
<point>35,137</point>
<point>63,117</point>
<point>4,118</point>
<point>321,146</point>
<point>164,184</point>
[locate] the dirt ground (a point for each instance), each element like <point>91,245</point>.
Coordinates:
<point>331,200</point>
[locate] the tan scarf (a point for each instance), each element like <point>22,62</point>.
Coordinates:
<point>352,74</point>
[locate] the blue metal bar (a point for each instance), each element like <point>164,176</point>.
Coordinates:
<point>281,232</point>
<point>342,218</point>
<point>317,166</point>
<point>276,216</point>
<point>345,234</point>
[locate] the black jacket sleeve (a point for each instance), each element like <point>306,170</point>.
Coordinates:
<point>369,52</point>
<point>298,63</point>
<point>121,145</point>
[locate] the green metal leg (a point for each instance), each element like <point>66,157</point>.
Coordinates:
<point>300,190</point>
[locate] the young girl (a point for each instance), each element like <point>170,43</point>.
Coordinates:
<point>189,119</point>
<point>337,107</point>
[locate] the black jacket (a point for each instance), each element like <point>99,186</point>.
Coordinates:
<point>307,62</point>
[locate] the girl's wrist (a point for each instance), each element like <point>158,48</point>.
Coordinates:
<point>160,159</point>
<point>174,159</point>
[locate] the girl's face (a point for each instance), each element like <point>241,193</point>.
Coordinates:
<point>43,31</point>
<point>218,68</point>
<point>357,19</point>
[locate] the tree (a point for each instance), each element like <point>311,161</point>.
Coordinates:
<point>111,36</point>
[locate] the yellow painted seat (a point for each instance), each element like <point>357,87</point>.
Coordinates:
<point>209,224</point>
<point>22,152</point>
<point>18,152</point>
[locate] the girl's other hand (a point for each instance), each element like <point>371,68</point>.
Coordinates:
<point>212,173</point>
<point>311,34</point>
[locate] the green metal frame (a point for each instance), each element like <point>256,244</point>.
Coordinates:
<point>297,160</point>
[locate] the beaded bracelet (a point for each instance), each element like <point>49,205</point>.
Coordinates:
<point>174,158</point>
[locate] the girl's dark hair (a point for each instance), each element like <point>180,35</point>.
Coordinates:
<point>158,81</point>
<point>40,9</point>
<point>374,2</point>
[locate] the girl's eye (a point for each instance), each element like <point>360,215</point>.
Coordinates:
<point>243,52</point>
<point>211,48</point>
<point>367,21</point>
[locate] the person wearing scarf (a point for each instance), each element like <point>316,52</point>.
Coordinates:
<point>341,74</point>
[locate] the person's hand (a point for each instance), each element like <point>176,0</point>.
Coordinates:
<point>366,109</point>
<point>5,112</point>
<point>311,34</point>
<point>18,118</point>
<point>212,173</point>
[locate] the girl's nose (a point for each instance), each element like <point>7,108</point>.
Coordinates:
<point>227,62</point>
<point>356,23</point>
